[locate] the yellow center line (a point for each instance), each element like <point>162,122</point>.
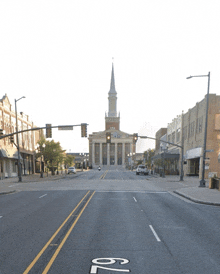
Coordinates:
<point>103,175</point>
<point>65,238</point>
<point>51,239</point>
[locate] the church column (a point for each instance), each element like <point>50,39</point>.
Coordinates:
<point>93,154</point>
<point>123,153</point>
<point>116,154</point>
<point>108,154</point>
<point>100,155</point>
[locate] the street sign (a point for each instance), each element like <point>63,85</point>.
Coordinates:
<point>209,150</point>
<point>65,127</point>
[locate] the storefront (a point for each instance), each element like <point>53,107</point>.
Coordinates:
<point>192,159</point>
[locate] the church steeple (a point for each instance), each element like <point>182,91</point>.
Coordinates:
<point>112,97</point>
<point>112,120</point>
<point>112,86</point>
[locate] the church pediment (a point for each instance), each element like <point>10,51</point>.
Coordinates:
<point>117,134</point>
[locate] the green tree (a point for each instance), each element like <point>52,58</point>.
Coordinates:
<point>148,154</point>
<point>52,152</point>
<point>68,160</point>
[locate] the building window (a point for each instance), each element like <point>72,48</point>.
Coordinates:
<point>178,135</point>
<point>200,121</point>
<point>184,133</point>
<point>173,137</point>
<point>169,138</point>
<point>191,129</point>
<point>217,121</point>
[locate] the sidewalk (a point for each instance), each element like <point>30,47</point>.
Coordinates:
<point>193,192</point>
<point>5,183</point>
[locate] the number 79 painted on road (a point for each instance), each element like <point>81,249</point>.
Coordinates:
<point>94,268</point>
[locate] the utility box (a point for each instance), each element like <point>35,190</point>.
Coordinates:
<point>214,183</point>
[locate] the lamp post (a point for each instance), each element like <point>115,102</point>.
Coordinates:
<point>202,181</point>
<point>19,161</point>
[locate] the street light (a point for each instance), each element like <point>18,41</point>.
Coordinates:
<point>19,161</point>
<point>202,181</point>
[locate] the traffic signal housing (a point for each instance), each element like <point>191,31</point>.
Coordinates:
<point>135,138</point>
<point>11,138</point>
<point>48,131</point>
<point>1,131</point>
<point>83,130</point>
<point>108,137</point>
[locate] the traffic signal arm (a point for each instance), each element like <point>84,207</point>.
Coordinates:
<point>32,129</point>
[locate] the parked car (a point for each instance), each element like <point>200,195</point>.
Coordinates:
<point>142,169</point>
<point>71,170</point>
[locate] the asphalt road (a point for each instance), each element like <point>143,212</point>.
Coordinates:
<point>110,221</point>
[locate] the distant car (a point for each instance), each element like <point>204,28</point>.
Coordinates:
<point>142,169</point>
<point>71,170</point>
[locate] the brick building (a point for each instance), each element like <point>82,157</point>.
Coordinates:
<point>121,148</point>
<point>193,135</point>
<point>27,142</point>
<point>191,126</point>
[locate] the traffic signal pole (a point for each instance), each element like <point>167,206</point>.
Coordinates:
<point>63,127</point>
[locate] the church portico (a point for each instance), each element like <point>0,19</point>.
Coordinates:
<point>117,152</point>
<point>114,154</point>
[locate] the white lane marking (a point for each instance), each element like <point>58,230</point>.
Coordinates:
<point>11,185</point>
<point>1,216</point>
<point>42,196</point>
<point>155,234</point>
<point>135,191</point>
<point>135,199</point>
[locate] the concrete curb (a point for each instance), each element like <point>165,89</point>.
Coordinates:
<point>195,200</point>
<point>7,192</point>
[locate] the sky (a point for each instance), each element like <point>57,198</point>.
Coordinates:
<point>58,54</point>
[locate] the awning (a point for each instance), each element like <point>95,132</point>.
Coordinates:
<point>166,156</point>
<point>9,153</point>
<point>193,153</point>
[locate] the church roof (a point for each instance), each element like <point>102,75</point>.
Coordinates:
<point>112,85</point>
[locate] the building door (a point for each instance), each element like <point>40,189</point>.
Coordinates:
<point>119,154</point>
<point>193,167</point>
<point>112,154</point>
<point>104,154</point>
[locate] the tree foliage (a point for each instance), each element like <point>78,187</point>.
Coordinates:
<point>68,161</point>
<point>148,154</point>
<point>52,152</point>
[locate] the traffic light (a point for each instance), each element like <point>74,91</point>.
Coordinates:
<point>1,131</point>
<point>135,138</point>
<point>83,130</point>
<point>48,131</point>
<point>108,137</point>
<point>11,138</point>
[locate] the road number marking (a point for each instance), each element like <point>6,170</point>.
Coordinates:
<point>94,268</point>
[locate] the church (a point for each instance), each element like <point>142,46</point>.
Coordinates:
<point>120,151</point>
